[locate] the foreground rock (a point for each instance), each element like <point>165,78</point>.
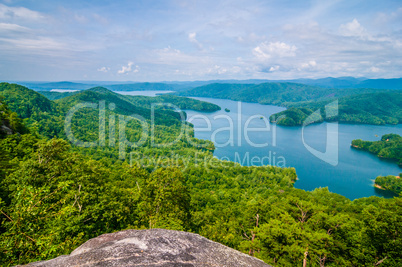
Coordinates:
<point>154,247</point>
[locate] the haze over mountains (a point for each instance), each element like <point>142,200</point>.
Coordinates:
<point>359,98</point>
<point>329,82</point>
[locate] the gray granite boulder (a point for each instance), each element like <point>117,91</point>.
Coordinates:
<point>154,247</point>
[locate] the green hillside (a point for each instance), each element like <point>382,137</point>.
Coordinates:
<point>390,182</point>
<point>48,86</point>
<point>390,147</point>
<point>270,93</point>
<point>24,101</point>
<point>55,95</point>
<point>37,111</point>
<point>180,102</point>
<point>122,106</point>
<point>10,123</point>
<point>366,106</point>
<point>55,195</point>
<point>373,108</point>
<point>216,90</point>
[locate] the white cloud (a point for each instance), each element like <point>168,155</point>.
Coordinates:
<point>274,68</point>
<point>129,68</point>
<point>36,44</point>
<point>7,12</point>
<point>217,69</point>
<point>389,17</point>
<point>20,39</point>
<point>100,19</point>
<point>277,49</point>
<point>104,69</point>
<point>80,18</point>
<point>172,56</point>
<point>192,38</point>
<point>26,41</point>
<point>309,65</point>
<point>375,69</point>
<point>353,29</point>
<point>261,41</point>
<point>13,27</point>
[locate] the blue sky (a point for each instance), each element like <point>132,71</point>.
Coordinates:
<point>177,40</point>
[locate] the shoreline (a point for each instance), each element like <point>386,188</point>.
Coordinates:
<point>378,186</point>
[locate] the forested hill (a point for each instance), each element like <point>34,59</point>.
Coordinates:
<point>270,93</point>
<point>48,86</point>
<point>389,147</point>
<point>24,101</point>
<point>144,101</point>
<point>121,105</point>
<point>373,108</point>
<point>10,123</point>
<point>329,82</point>
<point>37,111</point>
<point>55,95</point>
<point>179,102</point>
<point>361,106</point>
<point>48,117</point>
<point>55,195</point>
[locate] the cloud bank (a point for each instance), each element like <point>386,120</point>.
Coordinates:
<point>73,40</point>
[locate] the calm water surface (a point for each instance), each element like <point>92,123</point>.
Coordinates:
<point>353,175</point>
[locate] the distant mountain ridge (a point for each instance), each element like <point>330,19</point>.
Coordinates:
<point>383,107</point>
<point>351,82</point>
<point>328,82</point>
<point>141,87</point>
<point>47,86</point>
<point>274,93</point>
<point>361,106</point>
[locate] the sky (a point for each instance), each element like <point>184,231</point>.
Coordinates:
<point>178,40</point>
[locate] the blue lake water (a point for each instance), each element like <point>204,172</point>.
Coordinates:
<point>244,135</point>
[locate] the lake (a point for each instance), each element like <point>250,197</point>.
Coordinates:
<point>244,135</point>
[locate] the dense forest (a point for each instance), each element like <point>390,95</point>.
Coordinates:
<point>329,82</point>
<point>55,95</point>
<point>9,121</point>
<point>56,194</point>
<point>48,86</point>
<point>389,147</point>
<point>283,93</point>
<point>362,106</point>
<point>372,108</point>
<point>180,102</point>
<point>390,182</point>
